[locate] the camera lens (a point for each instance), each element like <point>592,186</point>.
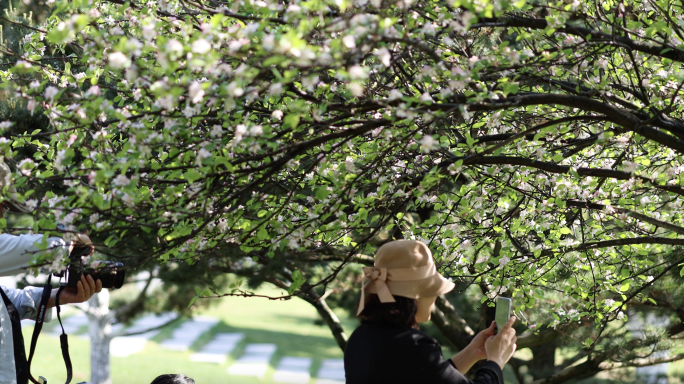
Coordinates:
<point>112,276</point>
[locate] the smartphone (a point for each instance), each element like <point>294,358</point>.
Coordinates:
<point>503,312</point>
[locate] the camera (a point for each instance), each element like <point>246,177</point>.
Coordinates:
<point>110,273</point>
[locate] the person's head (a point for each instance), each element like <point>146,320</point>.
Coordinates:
<point>403,286</point>
<point>173,379</point>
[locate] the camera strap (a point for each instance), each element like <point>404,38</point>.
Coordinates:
<point>63,340</point>
<point>40,318</point>
<point>20,364</point>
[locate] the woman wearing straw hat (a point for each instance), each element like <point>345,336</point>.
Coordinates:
<point>388,348</point>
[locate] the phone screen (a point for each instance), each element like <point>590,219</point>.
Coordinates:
<point>503,311</point>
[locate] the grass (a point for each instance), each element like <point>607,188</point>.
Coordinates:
<point>288,324</point>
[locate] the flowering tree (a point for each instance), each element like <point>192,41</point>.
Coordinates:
<point>537,149</point>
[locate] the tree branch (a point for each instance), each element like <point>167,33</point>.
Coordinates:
<point>636,215</point>
<point>641,362</point>
<point>124,334</point>
<point>449,330</point>
<point>622,117</point>
<point>661,50</point>
<point>452,316</point>
<point>561,169</point>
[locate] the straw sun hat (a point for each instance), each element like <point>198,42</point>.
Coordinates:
<point>403,268</point>
<point>11,196</point>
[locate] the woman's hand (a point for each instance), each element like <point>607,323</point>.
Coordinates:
<point>500,348</point>
<point>474,352</point>
<point>477,345</point>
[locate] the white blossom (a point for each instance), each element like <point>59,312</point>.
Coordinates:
<point>201,46</point>
<point>175,46</point>
<point>629,166</point>
<point>349,41</point>
<point>202,154</point>
<point>121,181</point>
<point>256,130</point>
<point>425,97</point>
<point>196,92</point>
<point>216,131</point>
<point>395,94</point>
<point>93,91</point>
<point>429,29</point>
<point>275,89</point>
<point>428,143</point>
<point>31,204</point>
<point>31,105</point>
<point>149,31</point>
<point>384,56</point>
<point>356,89</point>
<point>268,42</point>
<point>51,92</point>
<point>119,60</point>
<point>357,72</point>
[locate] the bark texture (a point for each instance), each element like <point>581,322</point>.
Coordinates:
<point>100,330</point>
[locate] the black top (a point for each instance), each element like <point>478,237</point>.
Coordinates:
<point>378,354</point>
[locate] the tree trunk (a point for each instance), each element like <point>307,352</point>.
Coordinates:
<point>100,331</point>
<point>543,363</point>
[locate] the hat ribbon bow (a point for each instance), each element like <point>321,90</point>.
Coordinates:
<point>379,277</point>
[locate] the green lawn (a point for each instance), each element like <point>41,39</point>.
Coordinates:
<point>288,324</point>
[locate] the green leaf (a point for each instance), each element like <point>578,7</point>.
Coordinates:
<point>192,175</point>
<point>262,233</point>
<point>192,301</point>
<point>565,231</point>
<point>510,88</point>
<point>297,281</point>
<point>291,121</point>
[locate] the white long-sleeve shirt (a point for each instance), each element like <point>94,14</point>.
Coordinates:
<point>16,252</point>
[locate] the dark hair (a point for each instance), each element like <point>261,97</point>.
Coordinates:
<point>173,379</point>
<point>401,313</point>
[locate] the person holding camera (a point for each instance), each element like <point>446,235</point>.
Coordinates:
<point>17,304</point>
<point>388,347</point>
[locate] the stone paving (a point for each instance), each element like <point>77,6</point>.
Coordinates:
<point>293,370</point>
<point>255,361</point>
<point>128,345</point>
<point>189,332</point>
<point>218,348</point>
<point>331,372</point>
